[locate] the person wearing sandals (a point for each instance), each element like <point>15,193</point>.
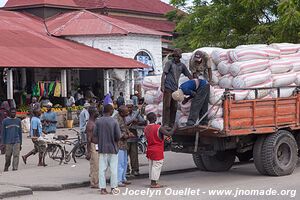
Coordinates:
<point>155,150</point>
<point>107,135</point>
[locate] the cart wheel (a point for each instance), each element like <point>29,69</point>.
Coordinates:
<point>53,155</point>
<point>198,162</point>
<point>280,153</point>
<point>221,161</point>
<point>245,157</point>
<point>257,154</point>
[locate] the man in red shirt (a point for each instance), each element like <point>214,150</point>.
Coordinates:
<point>155,149</point>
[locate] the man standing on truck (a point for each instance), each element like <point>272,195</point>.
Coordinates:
<point>197,90</point>
<point>169,83</point>
<point>200,65</point>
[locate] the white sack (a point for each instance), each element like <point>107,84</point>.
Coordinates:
<point>251,46</point>
<point>151,108</point>
<point>297,80</point>
<point>215,112</point>
<point>224,67</point>
<point>217,123</point>
<point>283,79</point>
<point>240,94</point>
<point>153,97</point>
<point>182,121</point>
<point>247,54</point>
<point>284,92</point>
<point>248,80</point>
<point>215,95</point>
<point>216,77</point>
<point>185,59</point>
<point>219,55</point>
<point>261,93</point>
<point>295,64</point>
<point>245,67</point>
<point>185,109</point>
<point>280,66</point>
<point>208,50</point>
<point>226,81</point>
<point>286,48</point>
<point>294,56</point>
<point>160,109</point>
<point>151,83</point>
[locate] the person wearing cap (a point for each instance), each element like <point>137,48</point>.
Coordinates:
<point>49,120</point>
<point>133,120</point>
<point>83,120</point>
<point>200,65</point>
<point>169,84</point>
<point>198,90</point>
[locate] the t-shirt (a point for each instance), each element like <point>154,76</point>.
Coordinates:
<point>191,86</point>
<point>173,72</point>
<point>49,127</point>
<point>36,125</point>
<point>108,132</point>
<point>12,131</point>
<point>83,119</point>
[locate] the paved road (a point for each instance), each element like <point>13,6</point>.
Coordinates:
<point>241,179</point>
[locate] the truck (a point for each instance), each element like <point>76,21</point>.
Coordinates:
<point>267,130</point>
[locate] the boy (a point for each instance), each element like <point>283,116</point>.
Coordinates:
<point>155,150</point>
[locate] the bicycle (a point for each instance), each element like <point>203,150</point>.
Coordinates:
<point>55,152</point>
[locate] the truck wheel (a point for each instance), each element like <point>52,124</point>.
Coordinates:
<point>198,162</point>
<point>221,161</point>
<point>245,157</point>
<point>280,153</point>
<point>257,157</point>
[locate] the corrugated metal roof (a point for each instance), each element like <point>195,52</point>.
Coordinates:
<point>25,43</point>
<point>159,25</point>
<point>88,23</point>
<point>153,6</point>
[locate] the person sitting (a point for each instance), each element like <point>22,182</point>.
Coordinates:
<point>198,90</point>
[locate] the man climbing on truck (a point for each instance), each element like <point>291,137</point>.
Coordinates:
<point>169,83</point>
<point>197,90</point>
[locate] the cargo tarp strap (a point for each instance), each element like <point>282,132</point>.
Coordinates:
<point>199,120</point>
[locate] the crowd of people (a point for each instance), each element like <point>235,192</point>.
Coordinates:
<point>110,127</point>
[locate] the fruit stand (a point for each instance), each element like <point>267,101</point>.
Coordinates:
<point>23,112</point>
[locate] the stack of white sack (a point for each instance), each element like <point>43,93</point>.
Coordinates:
<point>254,66</point>
<point>153,96</point>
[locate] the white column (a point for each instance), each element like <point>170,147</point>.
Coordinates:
<point>64,83</point>
<point>106,81</point>
<point>127,85</point>
<point>131,76</point>
<point>10,86</point>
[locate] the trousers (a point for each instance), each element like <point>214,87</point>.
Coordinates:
<point>12,150</point>
<point>155,169</point>
<point>169,108</point>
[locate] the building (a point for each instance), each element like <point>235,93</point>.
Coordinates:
<point>132,29</point>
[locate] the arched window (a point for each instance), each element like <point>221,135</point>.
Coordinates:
<point>146,59</point>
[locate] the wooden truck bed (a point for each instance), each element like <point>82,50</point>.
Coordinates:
<point>258,116</point>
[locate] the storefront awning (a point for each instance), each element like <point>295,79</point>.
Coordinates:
<point>24,42</point>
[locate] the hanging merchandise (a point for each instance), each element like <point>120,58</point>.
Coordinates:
<point>57,90</point>
<point>42,88</point>
<point>46,86</point>
<point>36,90</point>
<point>51,88</point>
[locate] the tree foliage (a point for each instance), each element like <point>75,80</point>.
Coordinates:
<point>228,23</point>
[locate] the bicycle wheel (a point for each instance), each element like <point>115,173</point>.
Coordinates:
<point>141,148</point>
<point>53,155</point>
<point>79,150</point>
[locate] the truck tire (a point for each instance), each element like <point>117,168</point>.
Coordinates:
<point>257,154</point>
<point>280,153</point>
<point>198,162</point>
<point>245,157</point>
<point>221,161</point>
